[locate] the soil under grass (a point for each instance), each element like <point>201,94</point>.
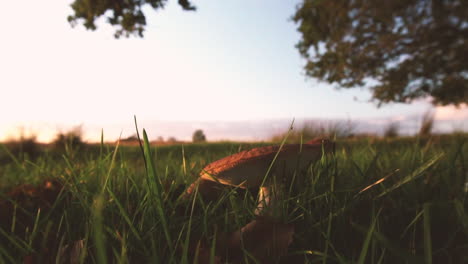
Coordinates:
<point>109,204</point>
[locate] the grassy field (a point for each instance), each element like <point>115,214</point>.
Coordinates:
<point>109,204</point>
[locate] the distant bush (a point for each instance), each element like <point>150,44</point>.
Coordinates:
<point>25,147</point>
<point>315,129</point>
<point>198,136</point>
<point>71,140</point>
<point>171,140</point>
<point>391,130</point>
<point>130,138</point>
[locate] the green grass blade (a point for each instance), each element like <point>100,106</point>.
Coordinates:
<point>155,188</point>
<point>139,142</point>
<point>213,247</point>
<point>15,160</point>
<point>114,155</point>
<point>340,259</point>
<point>184,163</point>
<point>101,145</point>
<point>392,247</point>
<point>13,222</point>
<point>125,216</point>
<point>418,172</point>
<point>19,244</point>
<point>36,223</point>
<point>7,255</point>
<point>98,229</point>
<point>463,218</point>
<point>329,225</point>
<point>189,230</point>
<point>370,232</point>
<point>276,155</point>
<point>412,223</point>
<point>427,234</point>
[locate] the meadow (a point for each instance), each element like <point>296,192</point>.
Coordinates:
<point>400,200</point>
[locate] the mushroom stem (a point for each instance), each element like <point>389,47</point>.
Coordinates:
<point>263,200</point>
<point>269,202</point>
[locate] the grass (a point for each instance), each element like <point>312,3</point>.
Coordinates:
<point>122,205</point>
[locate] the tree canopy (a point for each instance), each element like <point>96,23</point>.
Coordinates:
<point>126,15</point>
<point>401,49</point>
<point>404,49</point>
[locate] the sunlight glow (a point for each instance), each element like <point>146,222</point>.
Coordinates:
<point>451,112</point>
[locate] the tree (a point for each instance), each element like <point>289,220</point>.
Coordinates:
<point>71,140</point>
<point>172,140</point>
<point>198,136</point>
<point>405,49</point>
<point>126,15</point>
<point>391,130</point>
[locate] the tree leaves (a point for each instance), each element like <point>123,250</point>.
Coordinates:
<point>410,49</point>
<point>126,15</point>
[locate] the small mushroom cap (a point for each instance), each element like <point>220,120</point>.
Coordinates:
<point>248,168</point>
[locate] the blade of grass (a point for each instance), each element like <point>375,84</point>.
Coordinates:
<point>13,222</point>
<point>462,217</point>
<point>378,181</point>
<point>84,253</point>
<point>330,216</point>
<point>370,232</point>
<point>155,188</point>
<point>387,244</point>
<point>101,146</point>
<point>60,250</point>
<point>139,142</point>
<point>114,155</point>
<point>372,165</point>
<point>34,230</point>
<point>15,160</point>
<point>125,216</point>
<point>418,172</point>
<point>123,257</point>
<point>184,165</point>
<point>18,243</point>
<point>98,229</point>
<point>277,153</point>
<point>339,258</point>
<point>412,223</point>
<point>4,253</point>
<point>189,230</point>
<point>324,258</point>
<point>381,256</point>
<point>427,234</point>
<point>213,247</point>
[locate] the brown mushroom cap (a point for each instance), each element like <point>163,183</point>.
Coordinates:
<point>248,168</point>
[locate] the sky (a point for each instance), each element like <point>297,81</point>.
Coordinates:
<point>230,68</point>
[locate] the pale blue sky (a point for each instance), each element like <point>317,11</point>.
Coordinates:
<point>230,61</point>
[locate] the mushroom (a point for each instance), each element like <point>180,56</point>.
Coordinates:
<point>249,169</point>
